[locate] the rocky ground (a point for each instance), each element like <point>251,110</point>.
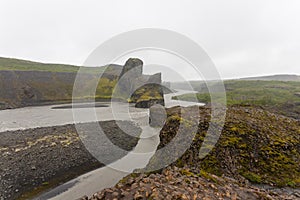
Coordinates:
<point>255,145</point>
<point>182,183</point>
<point>257,150</point>
<point>36,159</point>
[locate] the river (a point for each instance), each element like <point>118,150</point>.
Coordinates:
<point>91,182</point>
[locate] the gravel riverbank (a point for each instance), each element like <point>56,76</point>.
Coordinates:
<point>35,160</point>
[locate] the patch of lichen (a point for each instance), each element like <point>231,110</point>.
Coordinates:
<point>146,93</point>
<point>255,145</point>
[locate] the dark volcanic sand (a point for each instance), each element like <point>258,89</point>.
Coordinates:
<point>34,160</point>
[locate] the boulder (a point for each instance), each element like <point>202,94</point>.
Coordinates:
<point>157,116</point>
<point>130,77</point>
<point>134,65</point>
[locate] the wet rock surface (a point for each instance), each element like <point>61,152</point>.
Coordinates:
<point>33,160</point>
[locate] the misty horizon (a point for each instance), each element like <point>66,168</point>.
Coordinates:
<point>243,39</point>
<point>172,80</point>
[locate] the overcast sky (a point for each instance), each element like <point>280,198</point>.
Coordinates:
<point>242,37</point>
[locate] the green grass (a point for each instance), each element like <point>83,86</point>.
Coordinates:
<point>277,95</point>
<point>11,64</point>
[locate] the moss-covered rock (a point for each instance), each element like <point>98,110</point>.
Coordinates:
<point>255,144</point>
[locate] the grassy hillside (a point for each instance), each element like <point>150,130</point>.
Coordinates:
<point>24,83</point>
<point>11,64</point>
<point>280,96</point>
<point>24,65</point>
<point>200,85</point>
<point>279,77</point>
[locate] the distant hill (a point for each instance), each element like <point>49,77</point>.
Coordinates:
<point>27,83</point>
<point>24,83</point>
<point>281,97</point>
<point>12,64</point>
<point>279,77</point>
<point>25,65</point>
<point>200,85</point>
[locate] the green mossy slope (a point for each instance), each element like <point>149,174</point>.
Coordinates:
<point>255,144</point>
<point>283,97</point>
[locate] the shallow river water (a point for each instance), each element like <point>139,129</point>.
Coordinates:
<point>91,182</point>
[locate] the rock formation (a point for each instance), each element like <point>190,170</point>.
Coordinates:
<point>134,65</point>
<point>144,90</point>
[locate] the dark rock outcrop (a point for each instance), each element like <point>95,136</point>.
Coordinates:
<point>144,90</point>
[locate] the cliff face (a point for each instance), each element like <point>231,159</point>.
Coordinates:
<point>20,88</point>
<point>27,88</point>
